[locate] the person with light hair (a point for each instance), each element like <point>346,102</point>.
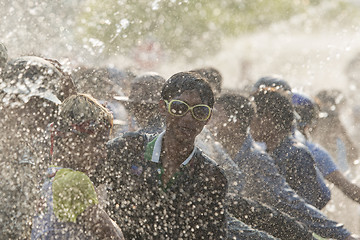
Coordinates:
<point>70,203</point>
<point>31,88</point>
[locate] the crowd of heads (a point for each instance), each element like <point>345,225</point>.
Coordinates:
<point>69,112</point>
<point>34,87</point>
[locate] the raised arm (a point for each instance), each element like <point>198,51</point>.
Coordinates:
<point>95,220</point>
<point>348,188</point>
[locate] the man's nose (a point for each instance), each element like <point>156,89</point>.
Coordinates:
<point>188,116</point>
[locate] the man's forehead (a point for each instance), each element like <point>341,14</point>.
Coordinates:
<point>190,95</point>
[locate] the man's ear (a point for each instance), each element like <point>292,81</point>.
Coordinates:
<point>162,107</point>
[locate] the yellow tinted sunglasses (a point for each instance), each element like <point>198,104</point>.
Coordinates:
<point>200,112</point>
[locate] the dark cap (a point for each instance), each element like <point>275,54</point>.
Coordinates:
<point>305,107</point>
<point>145,88</point>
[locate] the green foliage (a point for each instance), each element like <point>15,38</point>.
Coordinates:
<point>185,27</point>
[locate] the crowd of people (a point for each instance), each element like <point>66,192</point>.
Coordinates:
<point>102,153</point>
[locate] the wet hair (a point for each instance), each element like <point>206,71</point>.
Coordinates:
<point>146,88</point>
<point>94,81</point>
<point>34,76</point>
<point>237,106</point>
<point>213,76</point>
<point>277,104</point>
<point>272,81</point>
<point>183,81</point>
<point>144,98</point>
<point>81,113</point>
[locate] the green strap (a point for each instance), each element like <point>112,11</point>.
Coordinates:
<point>171,180</point>
<point>318,237</point>
<point>150,149</point>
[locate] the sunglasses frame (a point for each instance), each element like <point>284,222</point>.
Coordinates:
<point>168,105</point>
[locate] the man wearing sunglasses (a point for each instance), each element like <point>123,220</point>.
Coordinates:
<point>163,186</point>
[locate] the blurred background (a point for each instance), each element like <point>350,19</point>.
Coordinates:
<point>308,42</point>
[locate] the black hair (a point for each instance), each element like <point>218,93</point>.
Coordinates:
<point>272,81</point>
<point>278,105</point>
<point>183,81</point>
<point>212,75</point>
<point>238,106</point>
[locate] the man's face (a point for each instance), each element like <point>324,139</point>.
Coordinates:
<point>224,126</point>
<point>143,112</point>
<point>219,123</point>
<point>184,128</point>
<point>262,128</point>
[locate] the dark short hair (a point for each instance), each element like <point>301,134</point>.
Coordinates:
<point>306,108</point>
<point>238,106</point>
<point>271,81</point>
<point>277,104</point>
<point>212,75</point>
<point>146,88</point>
<point>183,81</point>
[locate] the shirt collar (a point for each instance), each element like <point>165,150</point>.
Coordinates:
<point>251,145</point>
<point>157,151</point>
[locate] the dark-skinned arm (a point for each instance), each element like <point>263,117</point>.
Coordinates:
<point>96,221</point>
<point>348,188</point>
<point>265,218</point>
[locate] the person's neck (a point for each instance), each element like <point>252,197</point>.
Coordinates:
<point>232,142</point>
<point>69,161</point>
<point>173,154</point>
<point>272,142</point>
<point>175,150</point>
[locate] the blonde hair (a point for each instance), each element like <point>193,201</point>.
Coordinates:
<point>82,108</point>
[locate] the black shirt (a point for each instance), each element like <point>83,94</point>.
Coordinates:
<point>191,207</point>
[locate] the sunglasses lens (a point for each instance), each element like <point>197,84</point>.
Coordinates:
<point>201,112</point>
<point>178,108</point>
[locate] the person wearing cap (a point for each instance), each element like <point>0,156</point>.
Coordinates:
<point>260,176</point>
<point>163,186</point>
<point>308,111</point>
<point>69,207</point>
<point>31,89</point>
<point>142,103</point>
